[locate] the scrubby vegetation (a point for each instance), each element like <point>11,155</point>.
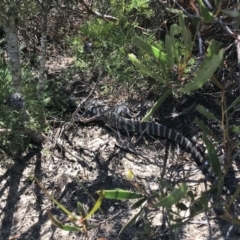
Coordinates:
<point>163,51</point>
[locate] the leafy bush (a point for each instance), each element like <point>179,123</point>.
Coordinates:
<point>14,124</point>
<point>111,40</point>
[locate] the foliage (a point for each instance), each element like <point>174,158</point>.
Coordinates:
<point>178,56</point>
<point>172,69</point>
<point>111,40</point>
<point>22,8</point>
<point>13,138</point>
<point>159,61</point>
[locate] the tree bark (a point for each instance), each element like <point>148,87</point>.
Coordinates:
<point>9,25</point>
<point>44,13</point>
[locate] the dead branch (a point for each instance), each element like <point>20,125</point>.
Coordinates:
<point>101,15</point>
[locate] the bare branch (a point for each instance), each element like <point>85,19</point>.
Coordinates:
<point>103,16</point>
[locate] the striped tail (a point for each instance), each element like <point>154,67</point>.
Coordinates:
<point>154,129</point>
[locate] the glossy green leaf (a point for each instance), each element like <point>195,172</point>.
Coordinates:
<point>205,13</point>
<point>143,68</point>
<point>96,206</point>
<point>207,114</point>
<point>174,197</point>
<point>152,50</point>
<point>156,105</point>
<point>207,68</point>
<point>213,158</point>
<point>119,194</point>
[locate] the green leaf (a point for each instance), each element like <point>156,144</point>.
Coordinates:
<point>235,129</point>
<point>188,42</point>
<point>233,197</point>
<point>199,205</point>
<point>173,10</point>
<point>213,158</point>
<point>207,130</point>
<point>218,3</point>
<point>119,194</point>
<point>82,212</point>
<point>213,48</point>
<point>181,20</point>
<point>216,82</point>
<point>132,220</point>
<point>175,30</point>
<point>169,51</point>
<point>96,206</point>
<point>71,216</point>
<point>58,224</point>
<point>165,184</point>
<point>144,69</point>
<point>207,114</point>
<point>207,69</point>
<point>174,197</point>
<point>153,51</point>
<point>233,104</point>
<point>156,105</point>
<point>205,13</point>
<point>80,209</point>
<point>233,14</point>
<point>220,185</point>
<point>138,203</point>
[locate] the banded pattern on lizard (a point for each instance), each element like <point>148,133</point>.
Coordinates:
<point>112,118</point>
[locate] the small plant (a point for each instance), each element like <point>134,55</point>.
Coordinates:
<point>178,56</point>
<point>180,203</point>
